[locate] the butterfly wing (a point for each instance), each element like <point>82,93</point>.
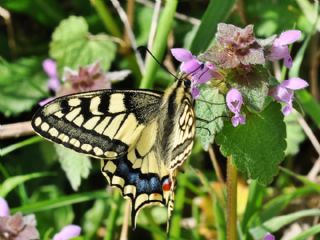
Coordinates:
<point>102,124</point>
<point>120,127</point>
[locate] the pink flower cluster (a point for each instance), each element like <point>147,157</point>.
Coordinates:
<point>245,49</point>
<point>20,227</point>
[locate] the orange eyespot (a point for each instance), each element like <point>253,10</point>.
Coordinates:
<point>166,185</point>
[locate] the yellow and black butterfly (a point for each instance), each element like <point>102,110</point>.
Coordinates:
<point>141,136</point>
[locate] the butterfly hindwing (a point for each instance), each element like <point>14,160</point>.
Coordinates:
<point>103,124</point>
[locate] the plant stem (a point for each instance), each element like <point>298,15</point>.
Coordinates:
<point>114,212</point>
<point>232,175</point>
<point>107,18</point>
<point>160,43</point>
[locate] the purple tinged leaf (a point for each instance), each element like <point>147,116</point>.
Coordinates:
<point>4,208</point>
<point>68,232</point>
<point>19,227</point>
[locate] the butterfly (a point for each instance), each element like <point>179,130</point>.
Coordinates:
<point>141,136</point>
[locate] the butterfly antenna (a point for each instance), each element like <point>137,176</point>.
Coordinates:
<point>161,64</point>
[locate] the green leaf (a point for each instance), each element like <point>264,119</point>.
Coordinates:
<point>75,165</point>
<point>295,134</point>
<point>216,12</point>
<point>59,202</point>
<point>210,109</point>
<point>255,201</point>
<point>253,85</point>
<point>278,203</point>
<point>312,231</point>
<point>302,178</point>
<point>276,223</point>
<point>22,85</point>
<point>73,46</point>
<point>256,147</point>
<point>11,183</point>
<point>94,218</point>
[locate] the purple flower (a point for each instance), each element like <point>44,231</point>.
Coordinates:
<point>200,72</point>
<point>269,236</point>
<point>234,103</point>
<point>4,208</point>
<point>280,50</point>
<point>68,232</point>
<point>49,66</point>
<point>284,92</point>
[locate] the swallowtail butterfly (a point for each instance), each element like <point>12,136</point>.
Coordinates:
<point>141,136</point>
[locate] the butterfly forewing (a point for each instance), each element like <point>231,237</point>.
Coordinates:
<point>103,124</point>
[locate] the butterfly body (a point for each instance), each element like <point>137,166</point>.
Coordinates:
<point>141,136</point>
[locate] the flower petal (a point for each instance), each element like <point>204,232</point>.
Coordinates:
<point>181,54</point>
<point>190,66</point>
<point>69,231</point>
<point>294,83</point>
<point>235,121</point>
<point>45,101</point>
<point>242,119</point>
<point>288,61</point>
<point>234,100</point>
<point>202,76</point>
<point>282,94</point>
<point>195,92</point>
<point>269,236</point>
<point>4,208</point>
<point>288,37</point>
<point>287,109</point>
<point>54,84</point>
<point>49,66</point>
<point>278,52</point>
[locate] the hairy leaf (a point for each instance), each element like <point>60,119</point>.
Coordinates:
<point>22,85</point>
<point>210,111</point>
<point>258,146</point>
<point>73,46</point>
<point>75,165</point>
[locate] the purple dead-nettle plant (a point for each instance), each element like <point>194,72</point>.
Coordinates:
<point>86,78</point>
<point>16,226</point>
<point>237,61</point>
<point>19,227</point>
